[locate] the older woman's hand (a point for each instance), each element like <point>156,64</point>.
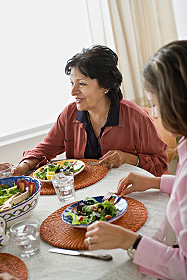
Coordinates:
<point>19,169</point>
<point>134,182</point>
<point>116,158</point>
<point>103,235</point>
<point>4,166</point>
<point>24,166</point>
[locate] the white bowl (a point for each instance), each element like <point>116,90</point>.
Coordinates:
<point>22,210</point>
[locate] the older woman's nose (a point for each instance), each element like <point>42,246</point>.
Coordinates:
<point>73,90</point>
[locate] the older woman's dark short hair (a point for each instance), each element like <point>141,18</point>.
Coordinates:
<point>101,63</point>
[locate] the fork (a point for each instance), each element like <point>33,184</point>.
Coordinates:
<point>108,196</point>
<point>93,163</point>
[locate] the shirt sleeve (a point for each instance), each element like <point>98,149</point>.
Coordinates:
<point>157,259</point>
<point>166,183</point>
<point>152,150</point>
<point>52,145</point>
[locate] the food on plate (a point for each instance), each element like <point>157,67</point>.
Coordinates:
<point>46,172</point>
<point>90,210</point>
<point>31,186</point>
<point>21,184</point>
<point>10,196</point>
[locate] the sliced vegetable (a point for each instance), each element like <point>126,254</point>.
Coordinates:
<point>31,186</point>
<point>21,184</point>
<point>49,174</point>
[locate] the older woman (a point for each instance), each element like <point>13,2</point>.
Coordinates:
<point>100,124</point>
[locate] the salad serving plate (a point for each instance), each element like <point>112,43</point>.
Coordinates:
<point>120,204</point>
<point>74,165</point>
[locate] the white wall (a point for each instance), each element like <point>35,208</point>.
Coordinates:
<point>13,152</point>
<point>37,38</point>
<point>180,14</point>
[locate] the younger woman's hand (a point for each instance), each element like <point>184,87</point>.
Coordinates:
<point>103,235</point>
<point>134,182</point>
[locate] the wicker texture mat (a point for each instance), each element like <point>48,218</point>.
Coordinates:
<point>59,234</point>
<point>13,265</point>
<point>90,175</point>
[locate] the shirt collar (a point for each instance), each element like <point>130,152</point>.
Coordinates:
<point>112,120</point>
<point>82,117</point>
<point>182,150</point>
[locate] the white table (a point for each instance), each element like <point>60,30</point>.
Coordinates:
<point>50,266</point>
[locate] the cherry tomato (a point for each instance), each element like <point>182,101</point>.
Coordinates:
<point>81,218</point>
<point>108,217</point>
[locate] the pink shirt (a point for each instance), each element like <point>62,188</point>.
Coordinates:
<point>135,134</point>
<point>155,258</point>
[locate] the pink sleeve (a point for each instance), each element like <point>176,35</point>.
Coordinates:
<point>166,183</point>
<point>152,256</point>
<point>157,259</point>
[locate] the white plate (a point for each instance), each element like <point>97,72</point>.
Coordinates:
<point>121,205</point>
<point>76,165</point>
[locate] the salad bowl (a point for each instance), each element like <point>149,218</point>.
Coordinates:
<point>24,208</point>
<point>4,237</point>
<point>121,206</point>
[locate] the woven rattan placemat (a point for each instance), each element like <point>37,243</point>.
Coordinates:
<point>90,175</point>
<point>59,234</point>
<point>13,265</point>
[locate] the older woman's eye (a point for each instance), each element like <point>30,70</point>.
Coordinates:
<point>82,84</point>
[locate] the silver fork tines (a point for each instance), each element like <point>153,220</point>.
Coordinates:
<point>93,163</point>
<point>108,196</point>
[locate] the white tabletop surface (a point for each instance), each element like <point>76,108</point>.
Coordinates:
<point>51,266</point>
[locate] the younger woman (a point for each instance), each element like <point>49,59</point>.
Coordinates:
<point>165,82</point>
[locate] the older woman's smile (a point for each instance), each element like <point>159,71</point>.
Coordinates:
<point>79,100</point>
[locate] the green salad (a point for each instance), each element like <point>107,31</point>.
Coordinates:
<point>14,193</point>
<point>6,192</point>
<point>90,210</point>
<point>46,172</point>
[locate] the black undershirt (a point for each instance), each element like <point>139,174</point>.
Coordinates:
<point>93,149</point>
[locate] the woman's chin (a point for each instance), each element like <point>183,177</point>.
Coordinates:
<point>81,108</point>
